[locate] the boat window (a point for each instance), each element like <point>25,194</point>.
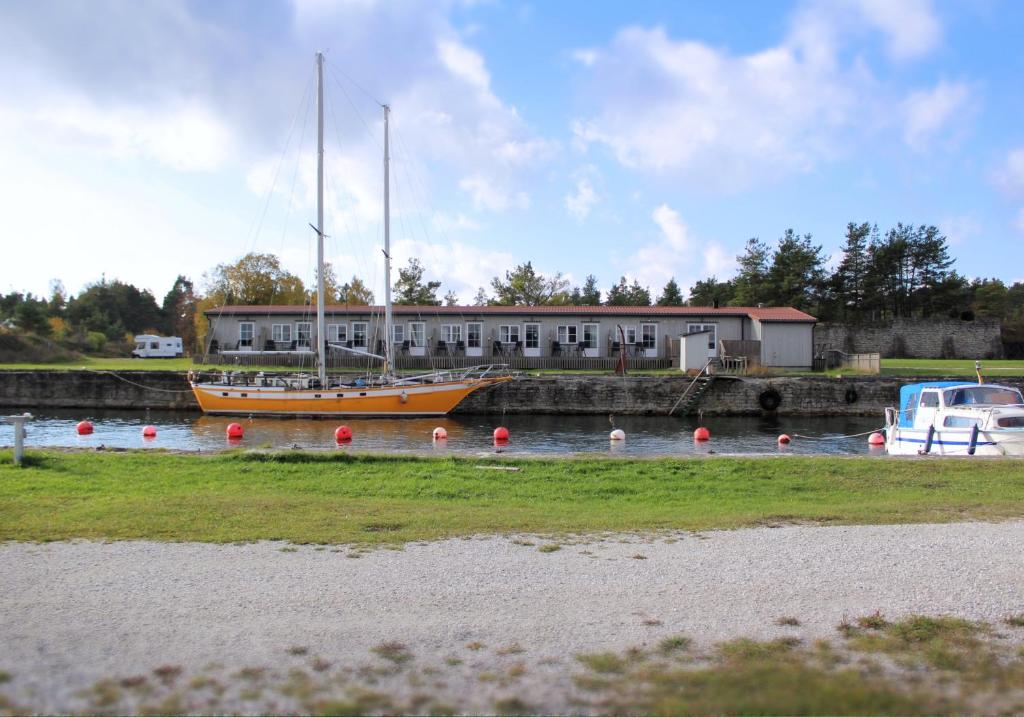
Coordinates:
<point>961,422</point>
<point>930,399</point>
<point>1011,422</point>
<point>983,395</point>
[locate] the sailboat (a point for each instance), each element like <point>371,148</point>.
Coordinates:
<point>431,394</point>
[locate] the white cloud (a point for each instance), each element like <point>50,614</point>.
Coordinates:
<point>579,204</point>
<point>1010,176</point>
<point>585,57</point>
<point>486,194</point>
<point>464,63</point>
<point>460,267</point>
<point>926,113</point>
<point>675,252</point>
<point>960,229</point>
<point>726,120</point>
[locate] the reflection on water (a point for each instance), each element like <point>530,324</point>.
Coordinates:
<point>645,435</point>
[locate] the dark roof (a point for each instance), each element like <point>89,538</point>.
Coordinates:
<point>769,314</point>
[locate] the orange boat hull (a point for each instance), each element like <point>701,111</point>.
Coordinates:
<point>432,399</point>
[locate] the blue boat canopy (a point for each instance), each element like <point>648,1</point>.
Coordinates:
<point>911,394</point>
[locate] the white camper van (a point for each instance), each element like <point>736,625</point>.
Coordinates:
<point>148,346</point>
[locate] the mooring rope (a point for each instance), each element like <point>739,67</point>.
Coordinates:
<point>133,383</point>
<point>837,438</point>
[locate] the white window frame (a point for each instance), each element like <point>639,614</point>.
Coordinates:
<point>712,338</point>
<point>337,333</point>
<point>652,349</point>
<point>531,347</point>
<point>299,342</point>
<point>417,338</point>
<point>398,334</point>
<point>591,347</point>
<point>278,333</point>
<point>563,333</point>
<point>242,325</point>
<point>360,327</point>
<point>630,332</point>
<point>508,333</point>
<point>474,346</point>
<point>451,333</point>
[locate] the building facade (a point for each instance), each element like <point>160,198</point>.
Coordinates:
<point>492,332</point>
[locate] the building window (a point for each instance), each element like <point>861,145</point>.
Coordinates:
<point>451,333</point>
<point>590,334</point>
<point>337,333</point>
<point>417,334</point>
<point>649,336</point>
<point>474,334</point>
<point>303,334</point>
<point>533,336</point>
<point>359,334</point>
<point>630,334</point>
<point>397,334</point>
<point>567,335</point>
<point>508,334</point>
<point>281,333</point>
<point>712,336</point>
<point>245,330</point>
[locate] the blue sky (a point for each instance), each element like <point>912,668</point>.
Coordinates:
<point>140,140</point>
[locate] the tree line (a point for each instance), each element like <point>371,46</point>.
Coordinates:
<point>905,271</point>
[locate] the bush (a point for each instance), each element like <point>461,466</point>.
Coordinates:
<point>96,340</point>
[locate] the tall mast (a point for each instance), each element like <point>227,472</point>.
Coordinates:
<point>389,332</point>
<point>321,322</point>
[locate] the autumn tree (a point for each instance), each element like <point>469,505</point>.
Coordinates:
<point>254,280</point>
<point>410,288</point>
<point>331,288</point>
<point>355,293</point>
<point>523,286</point>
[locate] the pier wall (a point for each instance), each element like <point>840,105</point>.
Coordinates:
<point>549,395</point>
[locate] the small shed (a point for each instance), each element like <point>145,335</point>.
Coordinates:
<point>693,350</point>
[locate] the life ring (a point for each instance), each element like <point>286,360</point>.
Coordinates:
<point>769,399</point>
<point>851,395</point>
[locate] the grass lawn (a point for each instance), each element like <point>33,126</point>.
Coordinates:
<point>951,367</point>
<point>330,498</point>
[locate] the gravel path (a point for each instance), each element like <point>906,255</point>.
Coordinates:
<point>73,613</point>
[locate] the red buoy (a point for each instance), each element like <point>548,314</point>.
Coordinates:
<point>149,432</point>
<point>501,433</point>
<point>876,439</point>
<point>235,430</point>
<point>440,434</point>
<point>84,428</point>
<point>784,439</point>
<point>702,434</point>
<point>342,434</point>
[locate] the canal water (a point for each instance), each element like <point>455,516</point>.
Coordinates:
<point>472,435</point>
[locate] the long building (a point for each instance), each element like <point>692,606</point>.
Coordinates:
<point>783,335</point>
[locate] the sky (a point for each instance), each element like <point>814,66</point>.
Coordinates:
<point>144,139</point>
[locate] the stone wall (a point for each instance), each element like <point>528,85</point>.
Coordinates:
<point>922,338</point>
<point>553,395</point>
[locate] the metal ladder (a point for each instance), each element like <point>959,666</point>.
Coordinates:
<point>696,389</point>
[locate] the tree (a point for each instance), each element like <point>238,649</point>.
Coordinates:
<point>623,294</point>
<point>481,298</point>
<point>451,298</point>
<point>590,295</point>
<point>355,293</point>
<point>909,273</point>
<point>410,289</point>
<point>331,288</point>
<point>989,298</point>
<point>797,273</point>
<point>848,282</point>
<point>750,287</point>
<point>671,295</point>
<point>523,286</point>
<point>254,280</point>
<point>710,292</point>
<point>58,298</point>
<point>32,316</point>
<point>179,309</point>
<point>114,308</point>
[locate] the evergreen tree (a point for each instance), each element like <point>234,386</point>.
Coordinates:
<point>671,295</point>
<point>179,310</point>
<point>623,294</point>
<point>410,288</point>
<point>848,281</point>
<point>451,298</point>
<point>797,272</point>
<point>481,298</point>
<point>710,292</point>
<point>590,295</point>
<point>115,308</point>
<point>750,287</point>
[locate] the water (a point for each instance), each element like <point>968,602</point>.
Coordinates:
<point>530,435</point>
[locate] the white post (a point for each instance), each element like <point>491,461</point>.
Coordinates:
<point>321,322</point>
<point>388,319</point>
<point>19,435</point>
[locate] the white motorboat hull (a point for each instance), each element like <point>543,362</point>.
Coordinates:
<point>950,442</point>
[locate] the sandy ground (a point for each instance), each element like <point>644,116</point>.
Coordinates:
<point>74,613</point>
